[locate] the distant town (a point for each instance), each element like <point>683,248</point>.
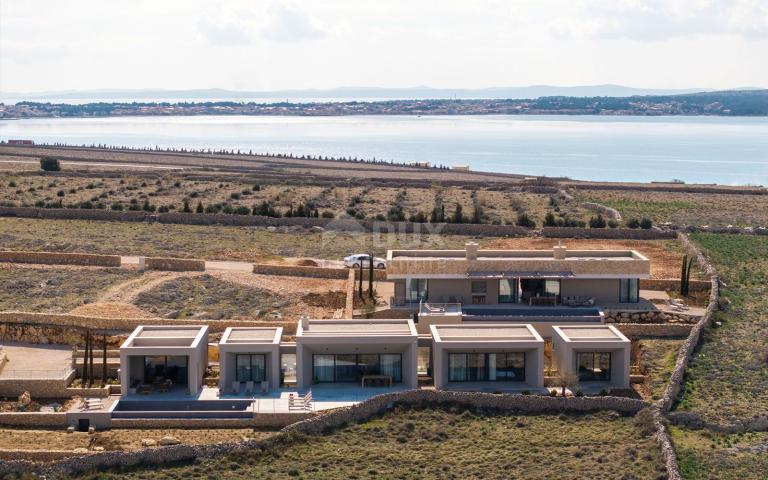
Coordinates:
<point>726,103</point>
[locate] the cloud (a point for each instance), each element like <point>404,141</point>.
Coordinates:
<point>223,34</point>
<point>290,25</point>
<point>657,20</point>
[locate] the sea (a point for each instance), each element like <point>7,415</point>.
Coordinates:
<point>695,149</point>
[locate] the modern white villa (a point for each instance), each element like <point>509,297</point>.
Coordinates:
<point>361,352</point>
<point>477,356</point>
<point>498,282</point>
<point>599,355</point>
<point>164,358</point>
<point>249,359</point>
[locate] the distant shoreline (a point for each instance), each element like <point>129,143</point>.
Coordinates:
<point>753,103</point>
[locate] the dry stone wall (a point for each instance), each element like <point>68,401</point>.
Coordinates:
<point>673,284</point>
<point>53,258</point>
<point>299,271</point>
<point>606,233</point>
<point>656,330</point>
<point>655,316</point>
<point>174,264</point>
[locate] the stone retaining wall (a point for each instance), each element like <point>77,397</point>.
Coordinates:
<point>631,316</point>
<point>54,258</point>
<point>673,284</point>
<point>658,330</point>
<point>606,233</point>
<point>37,387</point>
<point>378,274</point>
<point>672,391</point>
<point>299,271</point>
<point>33,419</point>
<point>174,264</point>
<point>37,455</point>
<point>52,320</point>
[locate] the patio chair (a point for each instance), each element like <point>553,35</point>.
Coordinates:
<point>236,388</point>
<point>249,387</point>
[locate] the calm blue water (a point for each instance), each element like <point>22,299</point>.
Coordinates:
<point>694,149</point>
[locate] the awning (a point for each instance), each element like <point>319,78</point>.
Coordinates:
<point>520,275</point>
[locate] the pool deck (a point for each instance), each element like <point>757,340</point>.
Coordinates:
<point>325,397</point>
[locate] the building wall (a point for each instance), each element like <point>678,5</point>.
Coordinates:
<point>564,356</point>
<point>228,363</point>
<point>534,365</point>
<point>304,352</point>
<point>604,290</point>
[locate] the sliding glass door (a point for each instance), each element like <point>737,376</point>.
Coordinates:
<point>486,367</point>
<point>508,290</point>
<point>594,366</point>
<point>250,368</point>
<point>350,368</point>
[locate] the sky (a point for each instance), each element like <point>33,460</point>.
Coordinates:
<point>51,45</point>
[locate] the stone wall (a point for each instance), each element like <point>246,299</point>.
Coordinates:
<point>299,271</point>
<point>378,274</point>
<point>37,455</point>
<point>693,420</point>
<point>655,316</point>
<point>174,264</point>
<point>602,209</point>
<point>53,258</point>
<point>673,284</point>
<point>33,419</point>
<point>672,391</point>
<point>35,327</point>
<point>38,387</point>
<point>659,330</point>
<point>606,233</point>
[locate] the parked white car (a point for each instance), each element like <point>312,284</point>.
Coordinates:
<point>354,261</point>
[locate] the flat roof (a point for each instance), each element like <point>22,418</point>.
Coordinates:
<point>160,332</point>
<point>165,336</point>
<point>590,333</point>
<point>586,255</point>
<point>485,333</point>
<point>252,335</point>
<point>357,327</point>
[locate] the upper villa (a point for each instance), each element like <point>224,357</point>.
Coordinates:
<point>506,277</point>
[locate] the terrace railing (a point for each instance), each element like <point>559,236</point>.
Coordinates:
<point>58,374</point>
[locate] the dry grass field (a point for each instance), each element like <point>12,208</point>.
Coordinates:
<point>728,376</point>
<point>684,208</point>
<point>55,289</point>
<point>442,444</point>
<point>213,242</point>
<point>703,455</point>
<point>118,439</point>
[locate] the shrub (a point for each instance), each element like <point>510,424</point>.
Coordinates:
<point>597,222</point>
<point>646,223</point>
<point>186,208</point>
<point>633,223</point>
<point>549,220</point>
<point>242,210</point>
<point>199,208</point>
<point>60,193</point>
<point>579,393</point>
<point>50,164</point>
<point>12,184</point>
<point>553,393</point>
<point>327,214</point>
<point>234,196</point>
<point>613,223</point>
<point>117,206</point>
<point>523,220</point>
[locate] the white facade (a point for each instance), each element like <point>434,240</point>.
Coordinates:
<point>250,354</point>
<point>499,356</point>
<point>155,357</point>
<point>599,354</point>
<point>345,351</point>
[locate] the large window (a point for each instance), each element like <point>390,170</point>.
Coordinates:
<point>629,290</point>
<point>250,367</point>
<point>486,367</point>
<point>508,290</point>
<point>351,368</point>
<point>415,289</point>
<point>479,289</point>
<point>160,368</point>
<point>594,366</point>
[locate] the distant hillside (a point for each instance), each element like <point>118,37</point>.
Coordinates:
<point>727,103</point>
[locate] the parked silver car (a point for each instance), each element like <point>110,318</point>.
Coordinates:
<point>354,261</point>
